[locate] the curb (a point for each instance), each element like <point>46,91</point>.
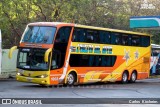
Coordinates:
<point>154,76</point>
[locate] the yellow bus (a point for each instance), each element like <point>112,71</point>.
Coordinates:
<point>52,53</point>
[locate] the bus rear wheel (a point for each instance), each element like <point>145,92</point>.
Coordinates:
<point>133,77</point>
<point>71,78</point>
<point>124,78</point>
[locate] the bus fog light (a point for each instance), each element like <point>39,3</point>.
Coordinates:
<point>42,81</point>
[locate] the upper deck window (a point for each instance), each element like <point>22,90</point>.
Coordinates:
<point>87,35</point>
<point>63,35</point>
<point>39,34</point>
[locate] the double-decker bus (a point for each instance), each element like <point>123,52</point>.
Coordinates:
<point>52,53</point>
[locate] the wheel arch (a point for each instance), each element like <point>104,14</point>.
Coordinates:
<point>71,71</point>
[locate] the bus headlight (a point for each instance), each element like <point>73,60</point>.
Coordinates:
<point>19,74</point>
<point>44,76</point>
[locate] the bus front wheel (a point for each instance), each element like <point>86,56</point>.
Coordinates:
<point>124,78</point>
<point>71,78</point>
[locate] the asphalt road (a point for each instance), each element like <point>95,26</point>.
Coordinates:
<point>148,88</point>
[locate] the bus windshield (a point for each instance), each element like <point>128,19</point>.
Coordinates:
<point>32,59</point>
<point>39,34</point>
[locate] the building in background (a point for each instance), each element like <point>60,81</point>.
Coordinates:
<point>7,66</point>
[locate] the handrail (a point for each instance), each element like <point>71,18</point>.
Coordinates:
<point>11,51</point>
<point>46,54</point>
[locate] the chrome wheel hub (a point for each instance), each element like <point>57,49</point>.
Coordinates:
<point>133,77</point>
<point>70,79</point>
<point>124,77</point>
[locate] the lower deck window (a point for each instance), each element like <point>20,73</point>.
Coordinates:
<point>81,60</point>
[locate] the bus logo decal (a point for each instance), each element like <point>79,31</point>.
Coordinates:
<point>136,55</point>
<point>89,48</point>
<point>54,78</point>
<point>126,56</point>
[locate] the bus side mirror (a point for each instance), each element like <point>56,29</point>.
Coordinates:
<point>11,51</point>
<point>46,54</point>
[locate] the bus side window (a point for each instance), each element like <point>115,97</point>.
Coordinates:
<point>63,35</point>
<point>84,61</point>
<point>108,37</point>
<point>96,37</point>
<point>76,35</point>
<point>104,61</point>
<point>135,40</point>
<point>97,60</point>
<point>102,36</point>
<point>116,38</point>
<point>124,39</point>
<point>91,59</point>
<point>90,36</point>
<point>82,35</point>
<point>129,40</point>
<point>145,41</point>
<point>108,61</point>
<point>113,39</point>
<point>113,60</point>
<point>56,60</point>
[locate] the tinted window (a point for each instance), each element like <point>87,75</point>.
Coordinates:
<point>125,39</point>
<point>135,40</point>
<point>79,35</point>
<point>116,38</point>
<point>129,40</point>
<point>145,41</point>
<point>63,35</point>
<point>78,60</point>
<point>92,36</point>
<point>56,60</point>
<point>85,35</point>
<point>104,37</point>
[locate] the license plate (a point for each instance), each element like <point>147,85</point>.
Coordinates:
<point>29,79</point>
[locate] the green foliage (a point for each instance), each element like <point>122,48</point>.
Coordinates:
<point>16,14</point>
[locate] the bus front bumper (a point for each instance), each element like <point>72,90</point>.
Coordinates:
<point>32,80</point>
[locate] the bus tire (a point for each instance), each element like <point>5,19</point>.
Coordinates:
<point>133,77</point>
<point>124,77</point>
<point>71,78</point>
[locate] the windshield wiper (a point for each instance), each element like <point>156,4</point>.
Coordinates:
<point>36,35</point>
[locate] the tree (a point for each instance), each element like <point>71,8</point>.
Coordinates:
<point>16,14</point>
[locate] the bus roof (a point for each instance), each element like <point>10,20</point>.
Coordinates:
<point>85,26</point>
<point>49,24</point>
